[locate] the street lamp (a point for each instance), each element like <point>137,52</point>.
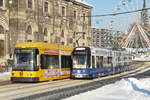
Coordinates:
<point>77,41</point>
<point>9,34</point>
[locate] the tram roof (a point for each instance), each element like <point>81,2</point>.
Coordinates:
<point>42,45</point>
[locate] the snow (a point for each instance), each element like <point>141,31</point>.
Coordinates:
<point>84,2</point>
<point>126,89</point>
<point>4,73</point>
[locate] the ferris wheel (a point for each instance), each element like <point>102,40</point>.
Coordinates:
<point>135,24</point>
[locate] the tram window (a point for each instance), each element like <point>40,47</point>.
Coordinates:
<point>66,61</point>
<point>109,60</point>
<point>105,61</point>
<point>93,62</point>
<point>119,59</point>
<point>49,61</point>
<point>99,61</point>
<point>63,61</point>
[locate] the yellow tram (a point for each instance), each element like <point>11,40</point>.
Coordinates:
<point>37,61</point>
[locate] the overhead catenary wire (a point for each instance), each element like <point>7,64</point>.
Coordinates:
<point>115,14</point>
<point>112,14</point>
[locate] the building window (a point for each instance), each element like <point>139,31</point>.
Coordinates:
<point>1,2</point>
<point>83,16</point>
<point>74,34</point>
<point>29,30</point>
<point>46,6</point>
<point>83,44</point>
<point>63,11</point>
<point>74,44</point>
<point>62,43</point>
<point>45,32</point>
<point>62,33</point>
<point>1,47</point>
<point>29,3</point>
<point>75,14</point>
<point>29,40</point>
<point>83,36</point>
<point>1,30</point>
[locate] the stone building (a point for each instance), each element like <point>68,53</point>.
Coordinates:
<point>52,21</point>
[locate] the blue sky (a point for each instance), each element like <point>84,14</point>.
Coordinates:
<point>109,6</point>
<point>103,6</point>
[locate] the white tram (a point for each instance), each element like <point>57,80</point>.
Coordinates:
<point>91,62</point>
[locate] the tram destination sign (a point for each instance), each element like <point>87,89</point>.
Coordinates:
<point>79,52</point>
<point>23,50</point>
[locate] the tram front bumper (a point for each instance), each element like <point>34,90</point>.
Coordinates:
<point>24,79</point>
<point>81,76</point>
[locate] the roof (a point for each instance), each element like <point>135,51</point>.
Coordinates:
<point>84,2</point>
<point>42,45</point>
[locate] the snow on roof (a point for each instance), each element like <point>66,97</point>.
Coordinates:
<point>83,2</point>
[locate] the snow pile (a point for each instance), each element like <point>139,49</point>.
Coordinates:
<point>4,73</point>
<point>83,2</point>
<point>126,89</point>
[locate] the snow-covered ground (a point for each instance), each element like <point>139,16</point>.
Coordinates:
<point>4,73</point>
<point>126,89</point>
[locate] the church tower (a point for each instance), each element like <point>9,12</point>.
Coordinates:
<point>144,17</point>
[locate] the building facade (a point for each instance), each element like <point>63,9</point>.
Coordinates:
<point>52,21</point>
<point>101,37</point>
<point>106,38</point>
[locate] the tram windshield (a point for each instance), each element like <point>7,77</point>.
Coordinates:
<point>79,61</point>
<point>25,59</point>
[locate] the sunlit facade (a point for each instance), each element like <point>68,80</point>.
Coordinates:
<point>51,21</point>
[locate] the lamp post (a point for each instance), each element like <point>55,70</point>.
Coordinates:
<point>77,41</point>
<point>9,33</point>
<point>59,48</point>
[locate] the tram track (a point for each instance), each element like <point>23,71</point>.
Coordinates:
<point>70,91</point>
<point>60,88</point>
<point>26,90</point>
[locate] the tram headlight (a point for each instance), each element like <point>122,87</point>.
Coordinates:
<point>29,74</point>
<point>83,71</point>
<point>13,74</point>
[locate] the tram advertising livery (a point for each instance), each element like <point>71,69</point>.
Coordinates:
<point>91,62</point>
<point>35,61</point>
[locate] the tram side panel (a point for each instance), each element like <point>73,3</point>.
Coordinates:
<point>33,66</point>
<point>103,62</point>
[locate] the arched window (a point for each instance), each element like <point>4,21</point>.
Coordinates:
<point>1,30</point>
<point>74,44</point>
<point>1,47</point>
<point>75,14</point>
<point>46,6</point>
<point>45,32</point>
<point>62,33</point>
<point>1,2</point>
<point>63,11</point>
<point>1,41</point>
<point>30,4</point>
<point>29,30</point>
<point>62,43</point>
<point>83,44</point>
